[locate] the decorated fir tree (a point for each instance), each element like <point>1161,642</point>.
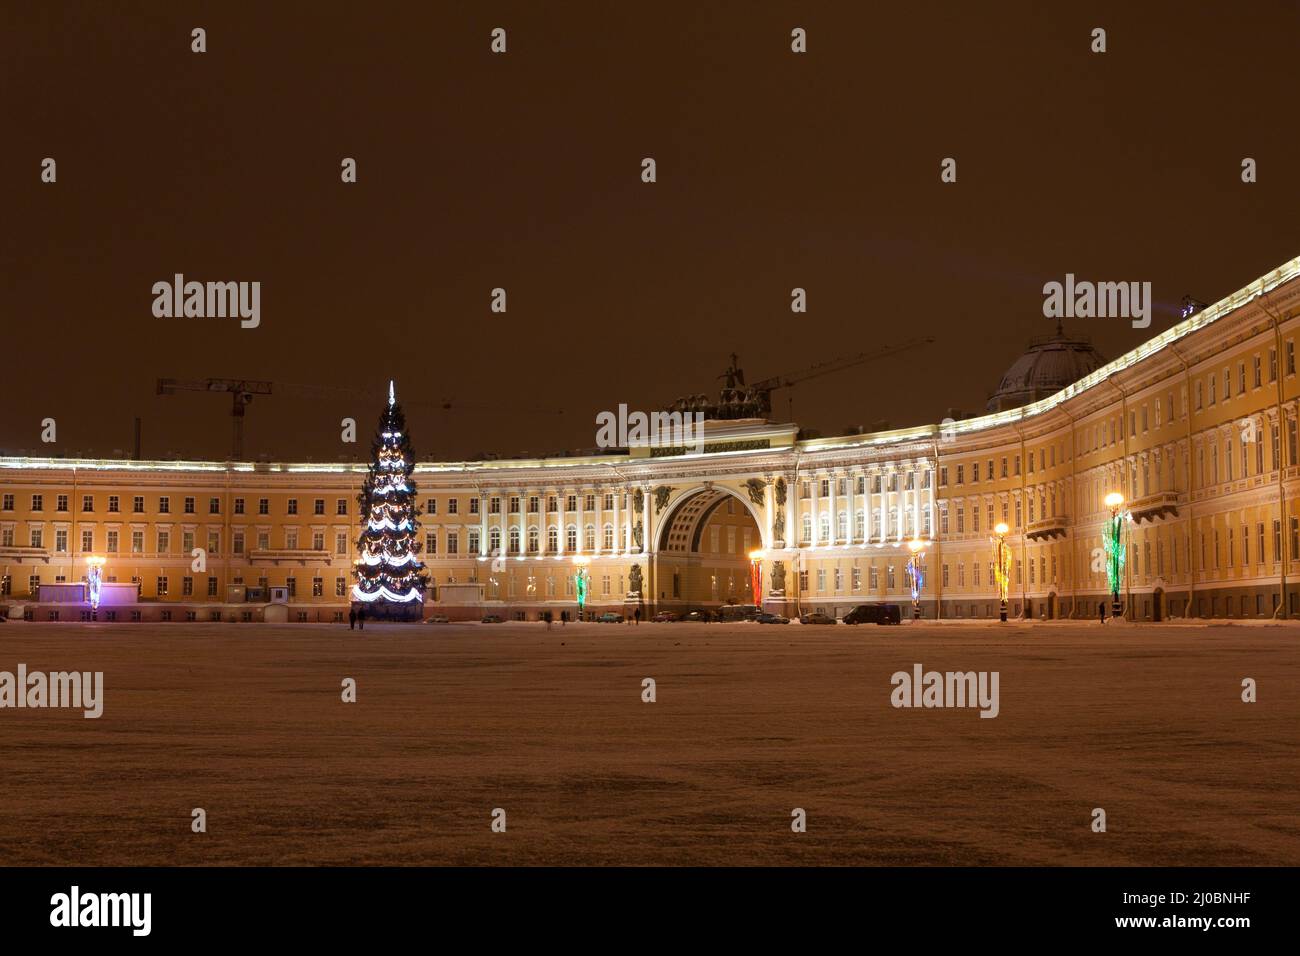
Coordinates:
<point>390,575</point>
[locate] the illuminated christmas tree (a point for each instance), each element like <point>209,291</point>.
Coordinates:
<point>390,575</point>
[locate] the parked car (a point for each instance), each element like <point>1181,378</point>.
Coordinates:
<point>610,617</point>
<point>738,612</point>
<point>666,617</point>
<point>817,617</point>
<point>491,619</point>
<point>437,619</point>
<point>698,616</point>
<point>874,614</point>
<point>767,617</point>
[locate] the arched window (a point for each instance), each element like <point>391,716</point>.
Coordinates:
<point>514,540</point>
<point>843,526</point>
<point>571,538</point>
<point>533,538</point>
<point>860,525</point>
<point>494,541</point>
<point>824,528</point>
<point>609,537</point>
<point>807,529</point>
<point>589,537</point>
<point>552,540</point>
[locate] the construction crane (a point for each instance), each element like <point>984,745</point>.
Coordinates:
<point>241,390</point>
<point>739,400</point>
<point>769,385</point>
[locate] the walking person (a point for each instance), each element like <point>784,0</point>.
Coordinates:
<point>1101,611</point>
<point>637,617</point>
<point>361,618</point>
<point>352,619</point>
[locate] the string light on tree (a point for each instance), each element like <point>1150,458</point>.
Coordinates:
<point>390,576</point>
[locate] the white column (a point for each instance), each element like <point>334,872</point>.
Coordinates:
<point>791,503</point>
<point>618,528</point>
<point>582,501</point>
<point>834,503</point>
<point>560,502</point>
<point>767,534</point>
<point>934,510</point>
<point>814,489</point>
<point>645,522</point>
<point>867,479</point>
<point>884,507</point>
<point>916,503</point>
<point>482,524</point>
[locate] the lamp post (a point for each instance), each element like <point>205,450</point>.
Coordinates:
<point>916,574</point>
<point>1114,548</point>
<point>94,576</point>
<point>581,578</point>
<point>1002,568</point>
<point>756,576</point>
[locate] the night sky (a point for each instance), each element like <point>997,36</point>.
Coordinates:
<point>522,170</point>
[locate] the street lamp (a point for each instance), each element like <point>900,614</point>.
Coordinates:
<point>94,575</point>
<point>916,574</point>
<point>1114,548</point>
<point>756,575</point>
<point>1002,568</point>
<point>581,577</point>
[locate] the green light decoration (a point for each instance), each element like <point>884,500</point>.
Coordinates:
<point>1115,553</point>
<point>580,587</point>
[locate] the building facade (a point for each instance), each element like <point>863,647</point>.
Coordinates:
<point>1196,428</point>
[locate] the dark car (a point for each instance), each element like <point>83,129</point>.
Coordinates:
<point>665,617</point>
<point>817,617</point>
<point>874,614</point>
<point>698,616</point>
<point>738,612</point>
<point>767,617</point>
<point>610,617</point>
<point>491,619</point>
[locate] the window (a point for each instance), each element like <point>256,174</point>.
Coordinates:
<point>214,506</point>
<point>318,506</point>
<point>189,505</point>
<point>137,504</point>
<point>1258,382</point>
<point>341,506</point>
<point>318,541</point>
<point>61,503</point>
<point>318,584</point>
<point>291,584</point>
<point>264,506</point>
<point>340,587</point>
<point>453,542</point>
<point>38,502</point>
<point>452,506</point>
<point>494,506</point>
<point>341,543</point>
<point>212,588</point>
<point>1290,356</point>
<point>87,502</point>
<point>239,506</point>
<point>291,540</point>
<point>187,586</point>
<point>473,505</point>
<point>292,506</point>
<point>8,502</point>
<point>164,505</point>
<point>38,538</point>
<point>431,542</point>
<point>1272,365</point>
<point>87,541</point>
<point>161,586</point>
<point>164,542</point>
<point>533,502</point>
<point>111,544</point>
<point>214,542</point>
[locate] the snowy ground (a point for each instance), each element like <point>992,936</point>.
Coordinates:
<point>750,722</point>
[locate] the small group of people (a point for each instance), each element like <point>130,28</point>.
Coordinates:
<point>356,617</point>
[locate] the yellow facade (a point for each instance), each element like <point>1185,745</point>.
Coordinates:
<point>1196,428</point>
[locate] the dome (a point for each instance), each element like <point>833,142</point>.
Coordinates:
<point>1050,364</point>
